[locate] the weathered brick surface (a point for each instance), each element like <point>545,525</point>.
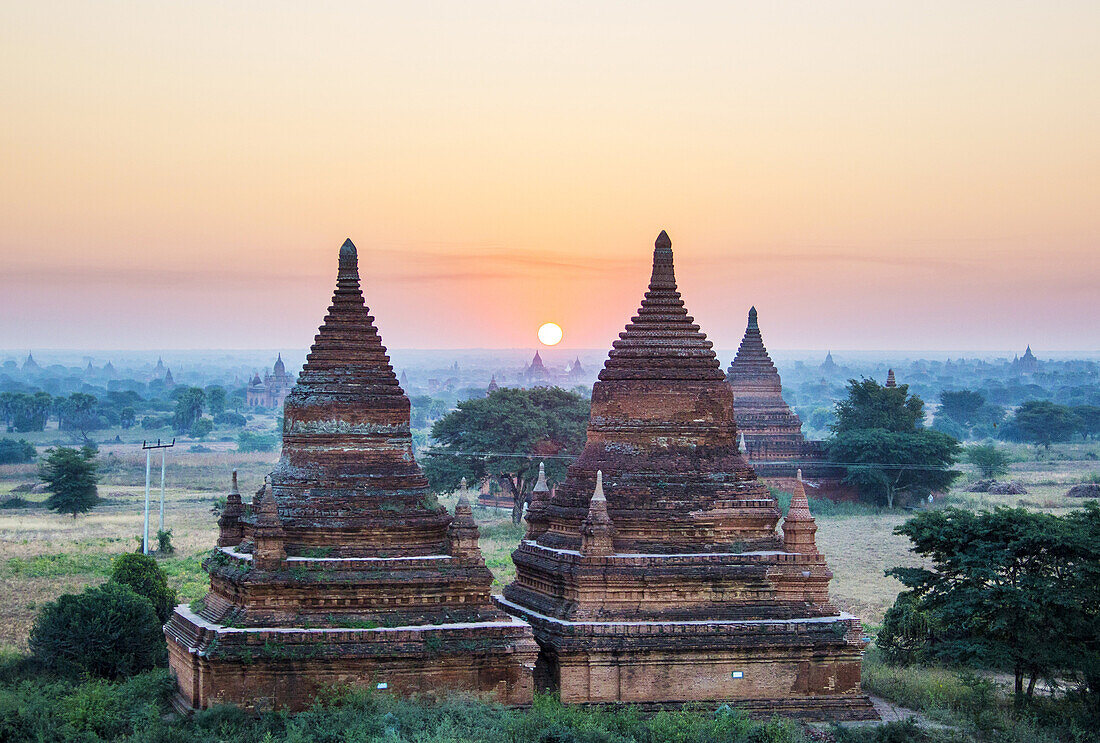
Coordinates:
<point>678,587</point>
<point>344,569</point>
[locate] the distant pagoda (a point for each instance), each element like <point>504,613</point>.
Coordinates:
<point>344,570</point>
<point>654,574</point>
<point>772,430</point>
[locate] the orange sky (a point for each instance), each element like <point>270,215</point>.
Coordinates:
<point>870,175</point>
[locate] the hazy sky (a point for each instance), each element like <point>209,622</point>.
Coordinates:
<point>870,175</point>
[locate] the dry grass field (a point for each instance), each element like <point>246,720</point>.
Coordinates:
<point>43,555</point>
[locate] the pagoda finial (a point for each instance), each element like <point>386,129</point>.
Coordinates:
<point>799,526</point>
<point>597,530</point>
<point>540,484</point>
<point>462,533</point>
<point>349,266</point>
<point>233,488</point>
<point>891,381</point>
<point>597,494</point>
<point>664,274</point>
<point>753,325</point>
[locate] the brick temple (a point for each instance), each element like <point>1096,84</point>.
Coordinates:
<point>772,431</point>
<point>655,574</point>
<point>774,443</point>
<point>344,569</point>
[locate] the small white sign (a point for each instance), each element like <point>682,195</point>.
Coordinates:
<point>738,674</point>
<point>383,685</point>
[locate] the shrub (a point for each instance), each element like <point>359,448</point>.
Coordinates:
<point>164,542</point>
<point>201,428</point>
<point>142,575</point>
<point>990,461</point>
<point>251,441</point>
<point>107,632</point>
<point>229,418</point>
<point>16,452</point>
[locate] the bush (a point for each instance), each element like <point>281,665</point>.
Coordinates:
<point>142,575</point>
<point>229,418</point>
<point>16,501</point>
<point>251,441</point>
<point>990,461</point>
<point>164,542</point>
<point>153,422</point>
<point>106,632</point>
<point>201,428</point>
<point>16,452</point>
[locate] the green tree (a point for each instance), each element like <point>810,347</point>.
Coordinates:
<point>1010,588</point>
<point>990,461</point>
<point>201,428</point>
<point>1089,415</point>
<point>883,447</point>
<point>16,452</point>
<point>189,406</point>
<point>77,412</point>
<point>215,400</point>
<point>71,476</point>
<point>503,436</point>
<point>144,576</point>
<point>107,632</point>
<point>252,441</point>
<point>870,405</point>
<point>1043,423</point>
<point>883,465</point>
<point>127,416</point>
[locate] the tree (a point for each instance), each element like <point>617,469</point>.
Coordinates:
<point>990,461</point>
<point>1042,422</point>
<point>16,452</point>
<point>883,465</point>
<point>71,476</point>
<point>1089,415</point>
<point>962,406</point>
<point>107,632</point>
<point>880,441</point>
<point>189,405</point>
<point>965,413</point>
<point>142,574</point>
<point>503,436</point>
<point>77,412</point>
<point>870,405</point>
<point>215,399</point>
<point>252,441</point>
<point>127,416</point>
<point>1008,588</point>
<point>201,428</point>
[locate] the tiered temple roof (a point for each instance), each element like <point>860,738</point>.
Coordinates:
<point>345,569</point>
<point>655,573</point>
<point>772,430</point>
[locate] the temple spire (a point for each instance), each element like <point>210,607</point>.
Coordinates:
<point>753,325</point>
<point>890,380</point>
<point>799,526</point>
<point>597,531</point>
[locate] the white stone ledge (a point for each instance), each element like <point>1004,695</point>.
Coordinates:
<point>510,607</point>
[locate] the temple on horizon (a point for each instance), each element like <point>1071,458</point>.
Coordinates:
<point>655,575</point>
<point>344,569</point>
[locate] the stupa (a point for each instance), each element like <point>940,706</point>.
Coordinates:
<point>773,432</point>
<point>655,575</point>
<point>344,569</point>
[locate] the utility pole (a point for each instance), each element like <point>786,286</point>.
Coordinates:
<point>148,448</point>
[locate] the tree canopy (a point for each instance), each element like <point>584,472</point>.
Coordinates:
<point>1007,588</point>
<point>1043,423</point>
<point>504,436</point>
<point>71,476</point>
<point>881,443</point>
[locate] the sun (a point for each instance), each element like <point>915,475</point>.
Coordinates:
<point>550,334</point>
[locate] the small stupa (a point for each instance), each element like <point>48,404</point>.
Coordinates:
<point>655,574</point>
<point>344,569</point>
